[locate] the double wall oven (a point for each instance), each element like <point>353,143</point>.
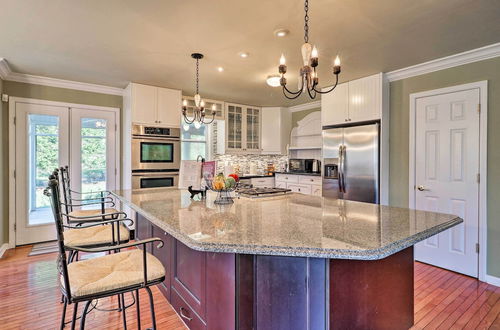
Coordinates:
<point>156,156</point>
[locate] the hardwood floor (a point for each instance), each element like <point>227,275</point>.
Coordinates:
<point>29,299</point>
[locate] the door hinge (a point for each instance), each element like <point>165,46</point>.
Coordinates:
<point>479,108</point>
<point>116,171</point>
<point>116,127</point>
<point>14,120</point>
<point>477,247</point>
<point>15,227</point>
<point>478,178</point>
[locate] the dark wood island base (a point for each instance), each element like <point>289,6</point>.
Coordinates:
<point>239,291</point>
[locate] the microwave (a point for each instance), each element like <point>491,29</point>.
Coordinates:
<point>304,165</point>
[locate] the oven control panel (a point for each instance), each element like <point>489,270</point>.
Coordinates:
<point>156,131</point>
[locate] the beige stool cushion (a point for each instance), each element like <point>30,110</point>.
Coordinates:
<point>111,272</point>
<point>97,235</point>
<point>96,212</point>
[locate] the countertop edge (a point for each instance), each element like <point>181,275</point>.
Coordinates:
<point>374,254</point>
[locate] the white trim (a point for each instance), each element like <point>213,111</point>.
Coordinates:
<point>493,280</point>
<point>305,106</point>
<point>483,156</point>
<point>12,150</point>
<point>474,55</point>
<point>3,248</point>
<point>7,74</point>
<point>4,69</point>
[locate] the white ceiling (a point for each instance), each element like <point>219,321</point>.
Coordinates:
<point>112,42</point>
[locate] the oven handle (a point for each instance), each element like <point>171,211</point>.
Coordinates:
<point>148,137</point>
<point>151,175</point>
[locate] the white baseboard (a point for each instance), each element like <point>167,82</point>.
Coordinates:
<point>493,280</point>
<point>3,248</point>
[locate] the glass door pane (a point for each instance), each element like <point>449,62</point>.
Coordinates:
<point>93,154</point>
<point>43,158</point>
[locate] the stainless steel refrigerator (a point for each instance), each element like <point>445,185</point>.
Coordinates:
<point>351,162</point>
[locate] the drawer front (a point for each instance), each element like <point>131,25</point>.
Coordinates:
<point>316,191</point>
<point>300,188</point>
<point>280,184</point>
<point>186,313</point>
<point>263,182</point>
<point>304,179</point>
<point>287,178</point>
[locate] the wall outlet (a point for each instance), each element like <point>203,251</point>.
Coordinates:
<point>5,98</point>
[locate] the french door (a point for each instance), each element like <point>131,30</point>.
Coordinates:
<point>49,136</point>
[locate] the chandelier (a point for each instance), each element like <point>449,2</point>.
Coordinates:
<point>308,78</point>
<point>199,112</point>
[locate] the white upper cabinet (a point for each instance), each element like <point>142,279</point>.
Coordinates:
<point>335,106</point>
<point>355,101</point>
<point>365,98</point>
<point>276,125</point>
<point>144,104</point>
<point>155,105</point>
<point>169,106</point>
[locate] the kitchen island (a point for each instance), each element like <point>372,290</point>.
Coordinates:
<point>285,262</point>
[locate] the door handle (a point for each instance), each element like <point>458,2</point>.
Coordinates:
<point>343,167</point>
<point>422,188</point>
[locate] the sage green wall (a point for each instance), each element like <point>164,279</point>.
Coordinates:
<point>17,89</point>
<point>3,183</point>
<point>399,139</point>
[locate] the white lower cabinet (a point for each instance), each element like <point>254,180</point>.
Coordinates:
<point>300,188</point>
<point>262,182</point>
<point>303,184</point>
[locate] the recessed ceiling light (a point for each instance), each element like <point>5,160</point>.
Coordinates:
<point>220,69</point>
<point>281,33</point>
<point>243,54</point>
<point>273,80</point>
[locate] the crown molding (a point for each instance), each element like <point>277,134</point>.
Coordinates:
<point>7,74</point>
<point>470,56</point>
<point>305,106</point>
<point>4,69</point>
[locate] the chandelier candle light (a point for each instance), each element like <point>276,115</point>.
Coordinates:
<point>199,109</point>
<point>308,78</point>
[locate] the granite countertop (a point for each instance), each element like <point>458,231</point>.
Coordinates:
<point>254,176</point>
<point>287,225</point>
<point>299,173</point>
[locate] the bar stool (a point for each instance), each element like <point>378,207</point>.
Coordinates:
<point>105,276</point>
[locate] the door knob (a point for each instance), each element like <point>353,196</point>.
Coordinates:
<point>421,188</point>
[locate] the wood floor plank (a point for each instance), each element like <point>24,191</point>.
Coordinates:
<point>30,299</point>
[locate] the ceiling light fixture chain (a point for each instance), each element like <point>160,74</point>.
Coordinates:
<point>308,77</point>
<point>197,75</point>
<point>199,105</point>
<point>306,22</point>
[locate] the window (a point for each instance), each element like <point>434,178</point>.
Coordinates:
<point>193,141</point>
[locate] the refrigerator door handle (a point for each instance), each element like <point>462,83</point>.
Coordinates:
<point>343,167</point>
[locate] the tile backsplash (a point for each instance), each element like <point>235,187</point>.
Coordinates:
<point>244,162</point>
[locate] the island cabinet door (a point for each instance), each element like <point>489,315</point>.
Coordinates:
<point>188,277</point>
<point>143,230</point>
<point>164,254</point>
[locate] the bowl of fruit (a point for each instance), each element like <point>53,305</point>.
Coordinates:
<point>223,186</point>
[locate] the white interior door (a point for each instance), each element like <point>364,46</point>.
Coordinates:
<point>446,169</point>
<point>41,146</point>
<point>93,142</point>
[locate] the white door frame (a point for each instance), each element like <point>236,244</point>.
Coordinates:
<point>12,150</point>
<point>482,86</point>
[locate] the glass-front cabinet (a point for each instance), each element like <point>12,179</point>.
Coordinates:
<point>242,128</point>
